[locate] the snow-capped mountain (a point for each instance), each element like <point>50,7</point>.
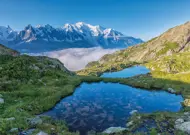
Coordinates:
<point>7,34</point>
<point>79,35</point>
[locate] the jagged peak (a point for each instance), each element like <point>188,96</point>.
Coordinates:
<point>29,26</point>
<point>48,26</point>
<point>9,28</point>
<point>39,26</point>
<point>6,28</point>
<point>100,27</point>
<point>67,25</point>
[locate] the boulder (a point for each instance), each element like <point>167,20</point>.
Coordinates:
<point>186,102</point>
<point>171,90</point>
<point>179,121</point>
<point>112,130</point>
<point>41,133</point>
<point>27,132</point>
<point>129,124</point>
<point>10,119</point>
<point>186,113</point>
<point>36,121</point>
<point>14,130</point>
<point>184,127</point>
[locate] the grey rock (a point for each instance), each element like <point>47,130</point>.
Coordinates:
<point>35,67</point>
<point>10,119</point>
<point>139,117</point>
<point>36,121</point>
<point>184,127</point>
<point>52,129</point>
<point>114,130</point>
<point>27,132</point>
<point>2,101</point>
<point>171,90</point>
<point>179,121</point>
<point>129,124</point>
<point>14,130</point>
<point>41,133</point>
<point>186,113</point>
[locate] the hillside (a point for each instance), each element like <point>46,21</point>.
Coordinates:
<point>167,57</point>
<point>173,41</point>
<point>6,51</point>
<point>29,86</point>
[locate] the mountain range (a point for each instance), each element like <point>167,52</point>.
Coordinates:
<point>79,35</point>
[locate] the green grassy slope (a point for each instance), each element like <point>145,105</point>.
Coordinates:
<point>6,51</point>
<point>29,86</point>
<point>167,56</point>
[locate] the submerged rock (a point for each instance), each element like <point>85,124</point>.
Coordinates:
<point>114,130</point>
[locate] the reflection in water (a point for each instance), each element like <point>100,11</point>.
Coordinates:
<point>128,72</point>
<point>98,106</point>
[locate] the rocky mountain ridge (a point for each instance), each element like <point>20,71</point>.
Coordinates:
<point>46,38</point>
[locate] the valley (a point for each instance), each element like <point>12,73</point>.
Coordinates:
<point>76,59</point>
<point>33,85</point>
<point>98,67</point>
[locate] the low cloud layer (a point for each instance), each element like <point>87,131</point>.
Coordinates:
<point>77,58</point>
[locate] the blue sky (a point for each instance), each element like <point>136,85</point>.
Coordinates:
<point>139,18</point>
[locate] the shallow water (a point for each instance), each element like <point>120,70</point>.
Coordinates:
<point>128,72</point>
<point>98,106</point>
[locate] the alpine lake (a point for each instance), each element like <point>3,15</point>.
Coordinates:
<point>98,106</point>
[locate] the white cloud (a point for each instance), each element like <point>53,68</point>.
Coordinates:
<point>77,58</point>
